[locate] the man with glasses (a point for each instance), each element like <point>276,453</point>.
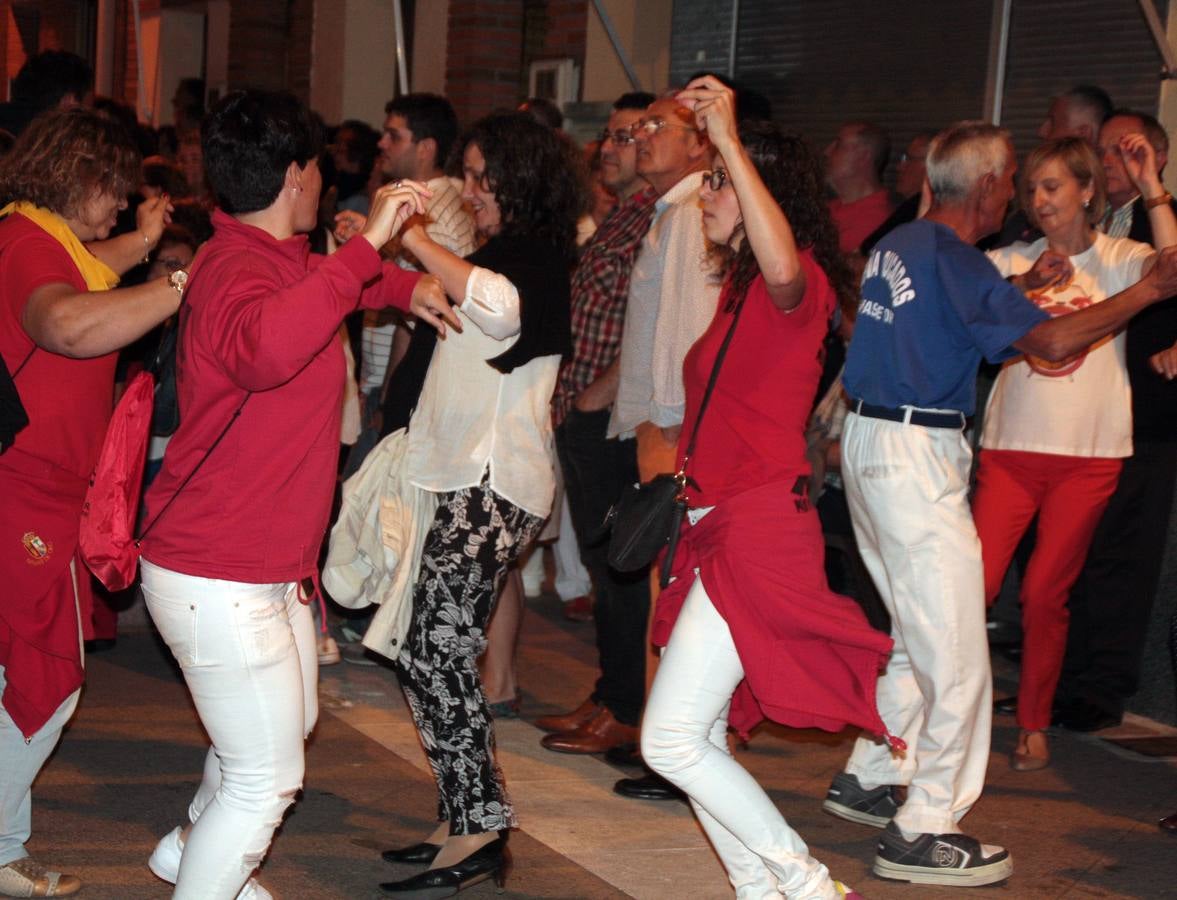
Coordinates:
<point>671,301</point>
<point>596,467</point>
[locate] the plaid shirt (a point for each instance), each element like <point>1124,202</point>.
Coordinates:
<point>600,285</point>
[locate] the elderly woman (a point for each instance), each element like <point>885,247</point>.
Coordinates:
<point>481,440</point>
<point>235,517</point>
<point>1055,433</point>
<point>60,325</point>
<point>749,624</point>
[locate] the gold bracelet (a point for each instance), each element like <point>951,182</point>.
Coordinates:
<point>1154,202</point>
<point>146,249</point>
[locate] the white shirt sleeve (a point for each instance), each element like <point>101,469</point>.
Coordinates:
<point>492,303</point>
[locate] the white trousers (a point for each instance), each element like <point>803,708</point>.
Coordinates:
<point>248,655</point>
<point>907,488</point>
<point>21,761</point>
<point>684,739</point>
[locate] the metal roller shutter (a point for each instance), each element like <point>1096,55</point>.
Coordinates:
<point>824,62</point>
<point>1056,44</point>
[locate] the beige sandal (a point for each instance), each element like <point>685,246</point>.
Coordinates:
<point>1032,753</point>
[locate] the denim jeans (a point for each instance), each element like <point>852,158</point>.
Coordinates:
<point>248,655</point>
<point>596,469</point>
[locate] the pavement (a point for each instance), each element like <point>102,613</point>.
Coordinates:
<point>130,761</point>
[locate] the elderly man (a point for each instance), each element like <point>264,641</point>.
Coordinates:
<point>1078,113</point>
<point>932,306</point>
<point>855,162</point>
<point>1111,602</point>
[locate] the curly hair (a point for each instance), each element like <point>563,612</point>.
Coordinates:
<point>537,176</point>
<point>792,173</point>
<point>65,156</point>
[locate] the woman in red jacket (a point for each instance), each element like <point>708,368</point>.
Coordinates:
<point>237,513</point>
<point>750,626</point>
<point>68,176</point>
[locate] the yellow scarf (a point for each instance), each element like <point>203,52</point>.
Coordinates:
<point>98,275</point>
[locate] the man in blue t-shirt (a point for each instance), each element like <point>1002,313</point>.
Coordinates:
<point>932,306</point>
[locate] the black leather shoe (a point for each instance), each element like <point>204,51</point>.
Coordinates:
<point>648,787</point>
<point>1169,824</point>
<point>1005,706</point>
<point>489,861</point>
<point>417,853</point>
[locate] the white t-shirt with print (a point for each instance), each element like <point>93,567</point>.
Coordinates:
<point>1081,406</point>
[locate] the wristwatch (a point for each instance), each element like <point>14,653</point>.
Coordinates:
<point>179,280</point>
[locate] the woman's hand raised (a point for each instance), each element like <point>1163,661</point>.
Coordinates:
<point>391,206</point>
<point>714,106</point>
<point>153,216</point>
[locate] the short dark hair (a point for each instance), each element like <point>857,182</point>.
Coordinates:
<point>1094,99</point>
<point>67,154</point>
<point>428,116</point>
<point>634,100</point>
<point>160,172</point>
<point>537,176</point>
<point>249,141</point>
<point>359,142</point>
<point>47,77</point>
<point>543,111</point>
<point>877,140</point>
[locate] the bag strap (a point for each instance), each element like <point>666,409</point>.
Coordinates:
<point>24,362</point>
<point>727,339</point>
<point>233,418</point>
<point>196,468</point>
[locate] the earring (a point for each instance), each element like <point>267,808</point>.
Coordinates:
<point>1086,204</point>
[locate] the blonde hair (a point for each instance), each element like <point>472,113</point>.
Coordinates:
<point>1080,160</point>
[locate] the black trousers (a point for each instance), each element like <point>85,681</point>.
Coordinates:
<point>1111,602</point>
<point>474,536</point>
<point>596,469</point>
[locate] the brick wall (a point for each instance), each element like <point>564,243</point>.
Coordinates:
<point>491,43</point>
<point>483,56</point>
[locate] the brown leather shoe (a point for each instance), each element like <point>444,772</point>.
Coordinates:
<point>569,721</point>
<point>597,735</point>
<point>28,878</point>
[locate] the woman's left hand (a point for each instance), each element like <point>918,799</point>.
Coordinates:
<point>153,216</point>
<point>430,304</point>
<point>714,106</point>
<point>1165,363</point>
<point>1140,162</point>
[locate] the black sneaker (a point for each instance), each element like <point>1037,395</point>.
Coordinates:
<point>848,799</point>
<point>952,859</point>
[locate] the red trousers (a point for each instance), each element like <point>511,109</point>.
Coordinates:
<point>1069,494</point>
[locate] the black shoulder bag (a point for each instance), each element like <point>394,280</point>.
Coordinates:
<point>649,516</point>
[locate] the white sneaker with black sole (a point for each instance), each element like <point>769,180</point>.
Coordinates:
<point>951,859</point>
<point>848,799</point>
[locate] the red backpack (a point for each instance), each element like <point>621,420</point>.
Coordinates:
<point>107,536</point>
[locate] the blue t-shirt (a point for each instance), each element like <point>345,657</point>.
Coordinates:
<point>931,307</point>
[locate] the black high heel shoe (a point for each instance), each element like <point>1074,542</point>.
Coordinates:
<point>489,861</point>
<point>424,852</point>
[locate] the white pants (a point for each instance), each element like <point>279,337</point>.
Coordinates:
<point>907,488</point>
<point>248,655</point>
<point>19,765</point>
<point>21,761</point>
<point>684,739</point>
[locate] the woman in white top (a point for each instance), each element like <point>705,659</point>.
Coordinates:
<point>481,439</point>
<point>1055,433</point>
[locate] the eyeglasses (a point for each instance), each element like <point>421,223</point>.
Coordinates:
<point>650,127</point>
<point>715,179</point>
<point>622,137</point>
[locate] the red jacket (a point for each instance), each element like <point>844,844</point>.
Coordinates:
<point>810,658</point>
<point>260,316</point>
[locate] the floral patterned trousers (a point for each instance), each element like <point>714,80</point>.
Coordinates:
<point>474,536</point>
